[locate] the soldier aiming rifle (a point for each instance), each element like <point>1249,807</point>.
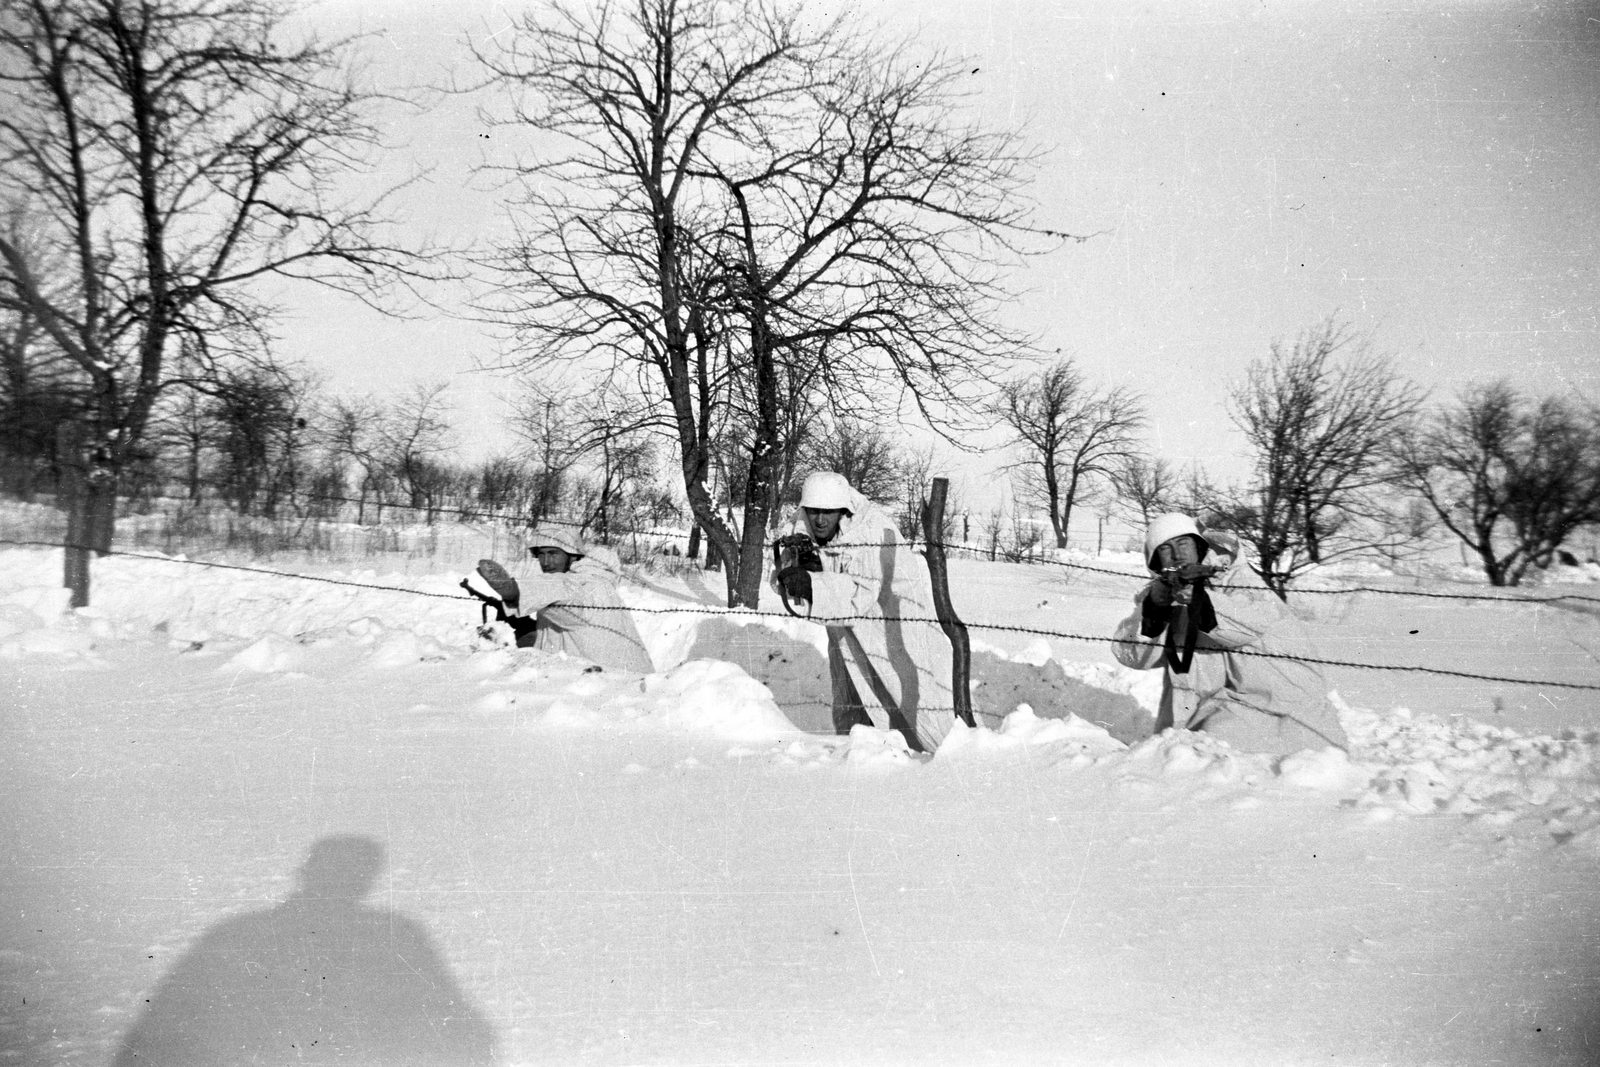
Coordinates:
<point>1210,682</point>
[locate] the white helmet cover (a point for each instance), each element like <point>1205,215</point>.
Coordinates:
<point>826,491</point>
<point>556,537</point>
<point>1164,528</point>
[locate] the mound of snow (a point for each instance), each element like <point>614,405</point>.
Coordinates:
<point>1190,763</point>
<point>1069,738</point>
<point>866,749</point>
<point>404,648</point>
<point>195,604</point>
<point>41,593</point>
<point>710,696</point>
<point>16,619</point>
<point>46,641</point>
<point>1143,686</point>
<point>871,749</point>
<point>1327,770</point>
<point>700,697</point>
<point>670,637</point>
<point>1423,764</point>
<point>270,655</point>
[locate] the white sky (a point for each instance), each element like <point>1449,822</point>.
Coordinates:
<point>1427,171</point>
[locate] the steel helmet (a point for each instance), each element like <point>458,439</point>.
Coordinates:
<point>826,491</point>
<point>1164,528</point>
<point>565,539</point>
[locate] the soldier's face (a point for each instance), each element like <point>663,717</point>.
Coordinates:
<point>1180,551</point>
<point>552,560</point>
<point>821,523</point>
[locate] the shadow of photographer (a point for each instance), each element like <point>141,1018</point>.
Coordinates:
<point>320,978</point>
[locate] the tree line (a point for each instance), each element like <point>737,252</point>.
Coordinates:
<point>750,239</point>
<point>1347,459</point>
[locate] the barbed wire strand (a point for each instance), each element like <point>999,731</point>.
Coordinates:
<point>674,534</point>
<point>836,619</point>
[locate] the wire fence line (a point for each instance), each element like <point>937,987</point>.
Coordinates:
<point>705,610</point>
<point>966,549</point>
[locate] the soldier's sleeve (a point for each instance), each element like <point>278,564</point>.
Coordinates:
<point>1130,645</point>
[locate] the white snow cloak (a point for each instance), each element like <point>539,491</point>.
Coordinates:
<point>1255,703</point>
<point>874,585</point>
<point>579,613</point>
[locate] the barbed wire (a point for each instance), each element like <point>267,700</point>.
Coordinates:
<point>839,619</point>
<point>1233,587</point>
<point>240,567</point>
<point>489,515</point>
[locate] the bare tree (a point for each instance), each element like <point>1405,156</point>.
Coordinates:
<point>1511,477</point>
<point>1069,436</point>
<point>1027,537</point>
<point>259,430</point>
<point>916,470</point>
<point>748,194</point>
<point>184,423</point>
<point>174,151</point>
<point>605,262</point>
<point>416,429</point>
<point>503,484</point>
<point>992,528</point>
<point>1145,486</point>
<point>552,437</point>
<point>38,387</point>
<point>1322,417</point>
<point>864,225</point>
<point>614,439</point>
<point>354,428</point>
<point>869,459</point>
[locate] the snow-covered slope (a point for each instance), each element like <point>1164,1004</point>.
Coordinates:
<point>685,868</point>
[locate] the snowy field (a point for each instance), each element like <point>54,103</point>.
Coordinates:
<point>584,868</point>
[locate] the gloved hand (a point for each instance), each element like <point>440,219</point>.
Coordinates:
<point>796,583</point>
<point>1157,609</point>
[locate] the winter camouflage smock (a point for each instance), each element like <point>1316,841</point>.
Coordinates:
<point>580,613</point>
<point>869,570</point>
<point>1254,703</point>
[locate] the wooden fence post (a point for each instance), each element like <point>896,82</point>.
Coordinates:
<point>954,628</point>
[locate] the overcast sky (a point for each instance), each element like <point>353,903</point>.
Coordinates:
<point>1429,172</point>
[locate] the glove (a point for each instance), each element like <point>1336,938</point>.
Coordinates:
<point>796,583</point>
<point>1157,609</point>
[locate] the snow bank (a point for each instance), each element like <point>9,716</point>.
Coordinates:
<point>1427,765</point>
<point>1399,763</point>
<point>270,655</point>
<point>193,605</point>
<point>669,637</point>
<point>1143,687</point>
<point>702,697</point>
<point>1071,739</point>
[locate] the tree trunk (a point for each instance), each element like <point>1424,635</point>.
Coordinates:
<point>765,458</point>
<point>694,541</point>
<point>74,493</point>
<point>89,486</point>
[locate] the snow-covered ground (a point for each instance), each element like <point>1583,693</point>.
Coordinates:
<point>686,868</point>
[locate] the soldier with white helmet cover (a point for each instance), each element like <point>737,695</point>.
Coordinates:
<point>1195,619</point>
<point>569,604</point>
<point>854,567</point>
